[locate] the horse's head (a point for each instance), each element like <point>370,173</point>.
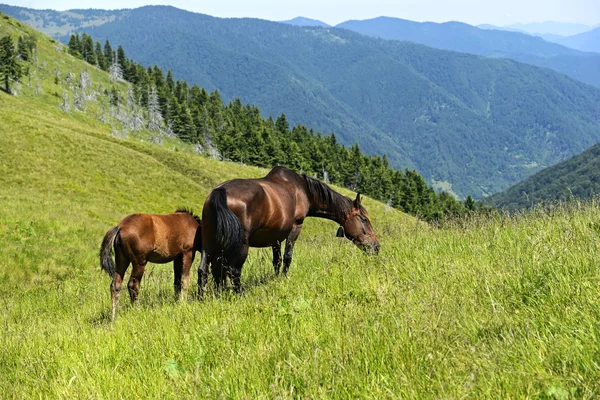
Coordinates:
<point>357,227</point>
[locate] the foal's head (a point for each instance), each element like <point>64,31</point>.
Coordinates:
<point>357,227</point>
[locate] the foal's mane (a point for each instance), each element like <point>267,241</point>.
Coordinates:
<point>320,193</point>
<point>189,211</point>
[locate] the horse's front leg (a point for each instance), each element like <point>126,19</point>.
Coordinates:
<point>203,272</point>
<point>277,257</point>
<point>289,248</point>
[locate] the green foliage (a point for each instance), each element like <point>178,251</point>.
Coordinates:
<point>10,68</point>
<point>576,178</point>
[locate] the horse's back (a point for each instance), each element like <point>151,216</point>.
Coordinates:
<point>158,238</point>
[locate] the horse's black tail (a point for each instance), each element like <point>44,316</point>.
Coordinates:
<point>229,231</point>
<point>106,251</point>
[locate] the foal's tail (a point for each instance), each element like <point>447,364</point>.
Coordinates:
<point>229,231</point>
<point>106,251</point>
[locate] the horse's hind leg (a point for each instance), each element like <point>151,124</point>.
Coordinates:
<point>289,248</point>
<point>277,257</point>
<point>117,284</point>
<point>235,269</point>
<point>177,271</point>
<point>187,261</point>
<point>135,279</point>
<point>217,269</point>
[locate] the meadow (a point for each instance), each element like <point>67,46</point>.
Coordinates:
<point>497,306</point>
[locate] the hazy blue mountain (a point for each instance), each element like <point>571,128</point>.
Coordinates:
<point>302,21</point>
<point>479,124</point>
<point>465,38</point>
<point>587,41</point>
<point>550,27</point>
<point>578,177</point>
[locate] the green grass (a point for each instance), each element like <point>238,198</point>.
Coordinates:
<point>499,308</point>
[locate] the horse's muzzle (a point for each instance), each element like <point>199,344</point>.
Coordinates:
<point>370,248</point>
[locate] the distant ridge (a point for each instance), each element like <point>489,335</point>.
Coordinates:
<point>587,41</point>
<point>577,177</point>
<point>302,21</point>
<point>464,38</point>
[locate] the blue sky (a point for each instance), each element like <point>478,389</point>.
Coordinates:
<point>498,12</point>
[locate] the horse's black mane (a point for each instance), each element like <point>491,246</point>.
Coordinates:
<point>320,193</point>
<point>189,211</point>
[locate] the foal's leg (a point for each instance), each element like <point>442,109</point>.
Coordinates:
<point>289,248</point>
<point>177,270</point>
<point>188,260</point>
<point>135,279</point>
<point>117,283</point>
<point>277,257</point>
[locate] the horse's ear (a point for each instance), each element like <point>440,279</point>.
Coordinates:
<point>357,201</point>
<point>340,232</point>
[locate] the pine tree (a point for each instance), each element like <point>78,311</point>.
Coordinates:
<point>22,51</point>
<point>155,119</point>
<point>10,69</point>
<point>108,54</point>
<point>122,62</point>
<point>87,49</point>
<point>102,62</point>
<point>75,46</point>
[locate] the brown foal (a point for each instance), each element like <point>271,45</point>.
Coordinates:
<point>143,238</point>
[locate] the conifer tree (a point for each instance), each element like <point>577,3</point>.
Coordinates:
<point>75,46</point>
<point>102,62</point>
<point>108,54</point>
<point>10,69</point>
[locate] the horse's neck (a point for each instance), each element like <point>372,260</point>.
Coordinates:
<point>327,211</point>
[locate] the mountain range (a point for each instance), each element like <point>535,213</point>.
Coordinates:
<point>457,36</point>
<point>470,124</point>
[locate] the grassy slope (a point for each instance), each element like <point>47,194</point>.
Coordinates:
<point>494,308</point>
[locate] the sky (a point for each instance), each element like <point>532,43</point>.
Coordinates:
<point>496,12</point>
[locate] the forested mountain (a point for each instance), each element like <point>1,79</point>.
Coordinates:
<point>302,21</point>
<point>470,124</point>
<point>578,177</point>
<point>457,36</point>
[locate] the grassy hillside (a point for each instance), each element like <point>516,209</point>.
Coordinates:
<point>468,124</point>
<point>576,178</point>
<point>486,308</point>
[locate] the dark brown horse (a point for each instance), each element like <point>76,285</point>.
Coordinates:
<point>244,213</point>
<point>142,238</point>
